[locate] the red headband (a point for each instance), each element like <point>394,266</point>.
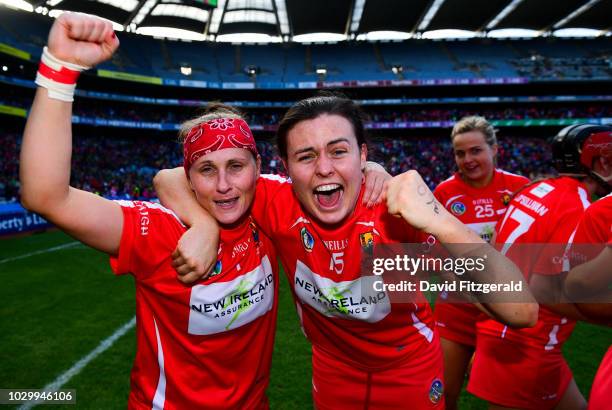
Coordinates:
<point>214,135</point>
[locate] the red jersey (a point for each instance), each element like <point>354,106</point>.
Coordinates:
<point>596,223</point>
<point>339,311</point>
<point>546,212</point>
<point>596,227</point>
<point>602,385</point>
<point>203,346</point>
<point>479,208</point>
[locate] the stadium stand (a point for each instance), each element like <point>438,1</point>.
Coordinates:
<point>277,63</point>
<point>124,131</point>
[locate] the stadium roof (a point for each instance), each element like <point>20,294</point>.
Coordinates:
<point>299,20</point>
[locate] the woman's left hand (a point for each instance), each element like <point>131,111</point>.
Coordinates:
<point>376,177</point>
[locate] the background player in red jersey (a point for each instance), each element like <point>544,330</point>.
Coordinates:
<point>203,346</point>
<point>588,283</point>
<point>525,368</point>
<point>477,194</point>
<point>367,351</point>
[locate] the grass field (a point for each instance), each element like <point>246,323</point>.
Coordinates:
<point>58,304</point>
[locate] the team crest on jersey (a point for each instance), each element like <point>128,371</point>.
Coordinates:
<point>366,239</point>
<point>307,239</point>
<point>217,269</point>
<point>505,198</point>
<point>255,233</point>
<point>436,391</point>
<point>458,208</point>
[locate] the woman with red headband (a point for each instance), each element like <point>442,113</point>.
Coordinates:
<point>208,345</point>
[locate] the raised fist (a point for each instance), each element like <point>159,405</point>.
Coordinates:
<point>82,39</point>
<point>408,196</point>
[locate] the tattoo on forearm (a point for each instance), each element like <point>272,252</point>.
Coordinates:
<point>435,205</point>
<point>422,191</point>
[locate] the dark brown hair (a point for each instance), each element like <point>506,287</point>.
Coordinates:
<point>326,102</point>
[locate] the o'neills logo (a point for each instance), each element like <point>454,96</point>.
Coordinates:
<point>354,299</point>
<point>223,306</point>
<point>143,210</point>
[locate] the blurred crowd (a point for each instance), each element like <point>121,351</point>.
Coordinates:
<point>124,168</point>
<point>513,113</point>
<point>538,66</point>
<point>270,117</point>
<point>433,157</point>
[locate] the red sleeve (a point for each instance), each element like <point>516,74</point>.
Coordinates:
<point>150,234</point>
<point>564,220</point>
<point>595,226</point>
<point>593,233</point>
<point>440,194</point>
<point>273,196</point>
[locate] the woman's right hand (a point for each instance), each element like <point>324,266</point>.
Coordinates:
<point>82,39</point>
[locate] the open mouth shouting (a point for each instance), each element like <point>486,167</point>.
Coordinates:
<point>329,195</point>
<point>226,204</point>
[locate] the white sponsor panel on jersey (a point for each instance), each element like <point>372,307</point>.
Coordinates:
<point>222,306</point>
<point>542,189</point>
<point>354,299</point>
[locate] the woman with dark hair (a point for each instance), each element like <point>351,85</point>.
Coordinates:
<point>208,345</point>
<point>366,350</point>
<point>477,194</point>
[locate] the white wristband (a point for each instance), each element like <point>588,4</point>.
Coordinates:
<point>57,76</point>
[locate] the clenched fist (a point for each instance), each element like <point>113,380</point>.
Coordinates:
<point>82,39</point>
<point>409,197</point>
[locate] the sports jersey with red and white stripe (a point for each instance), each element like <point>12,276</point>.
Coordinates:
<point>595,227</point>
<point>546,212</point>
<point>596,223</point>
<point>208,345</point>
<point>479,208</point>
<point>339,311</point>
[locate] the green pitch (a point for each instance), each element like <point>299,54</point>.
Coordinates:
<point>57,306</point>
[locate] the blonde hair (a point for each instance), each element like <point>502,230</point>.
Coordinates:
<point>212,111</point>
<point>475,123</point>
